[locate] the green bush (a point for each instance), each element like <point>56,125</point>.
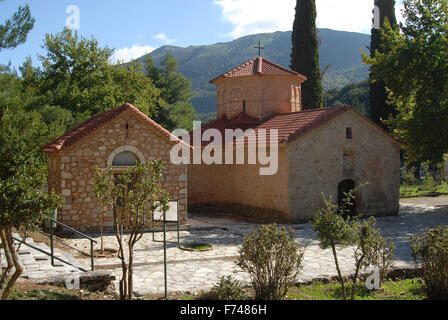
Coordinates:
<point>430,184</point>
<point>229,289</point>
<point>273,260</point>
<point>430,251</point>
<point>408,176</point>
<point>382,256</point>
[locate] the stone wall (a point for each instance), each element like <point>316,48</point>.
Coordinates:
<point>320,160</point>
<point>71,171</point>
<point>241,188</point>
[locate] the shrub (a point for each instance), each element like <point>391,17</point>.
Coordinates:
<point>273,260</point>
<point>430,250</point>
<point>408,176</point>
<point>382,256</point>
<point>229,289</point>
<point>370,248</point>
<point>430,184</point>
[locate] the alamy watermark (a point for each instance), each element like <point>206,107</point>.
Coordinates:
<point>73,19</point>
<point>261,146</point>
<point>72,281</point>
<point>373,281</point>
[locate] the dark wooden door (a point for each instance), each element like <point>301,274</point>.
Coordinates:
<point>343,189</point>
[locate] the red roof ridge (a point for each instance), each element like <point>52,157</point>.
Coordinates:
<point>97,121</point>
<point>328,114</point>
<point>255,66</point>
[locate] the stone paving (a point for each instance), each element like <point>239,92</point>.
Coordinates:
<point>195,271</point>
<point>37,265</point>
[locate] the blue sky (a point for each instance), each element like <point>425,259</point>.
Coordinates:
<point>136,27</point>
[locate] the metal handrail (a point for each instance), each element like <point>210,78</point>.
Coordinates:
<point>52,222</point>
<point>48,254</point>
<point>72,230</point>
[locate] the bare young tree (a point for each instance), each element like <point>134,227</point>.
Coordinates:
<point>134,196</point>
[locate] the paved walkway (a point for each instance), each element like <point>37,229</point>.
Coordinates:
<point>195,271</point>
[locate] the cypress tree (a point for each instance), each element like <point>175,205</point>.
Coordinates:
<point>379,108</point>
<point>305,53</point>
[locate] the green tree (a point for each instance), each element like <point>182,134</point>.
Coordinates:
<point>415,71</point>
<point>24,202</point>
<point>77,75</point>
<point>369,247</point>
<point>134,196</point>
<point>15,30</point>
<point>353,94</point>
<point>305,53</point>
<point>176,111</point>
<point>332,231</point>
<point>380,109</point>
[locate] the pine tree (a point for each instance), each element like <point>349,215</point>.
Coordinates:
<point>15,30</point>
<point>305,53</point>
<point>379,108</point>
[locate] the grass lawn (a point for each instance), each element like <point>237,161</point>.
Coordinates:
<point>414,191</point>
<point>409,289</point>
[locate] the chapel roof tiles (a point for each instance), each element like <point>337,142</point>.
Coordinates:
<point>258,66</point>
<point>290,126</point>
<point>96,122</point>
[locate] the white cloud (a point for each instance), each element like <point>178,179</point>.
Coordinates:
<point>163,38</point>
<point>127,54</point>
<point>256,16</point>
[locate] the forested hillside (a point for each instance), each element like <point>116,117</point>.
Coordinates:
<point>200,64</point>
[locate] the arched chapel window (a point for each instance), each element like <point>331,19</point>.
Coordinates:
<point>125,159</point>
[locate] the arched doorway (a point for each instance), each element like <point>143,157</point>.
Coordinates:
<point>121,160</point>
<point>344,188</point>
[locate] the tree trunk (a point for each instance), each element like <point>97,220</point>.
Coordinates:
<point>17,265</point>
<point>333,248</point>
<point>101,230</point>
<point>130,272</point>
<point>6,272</point>
<point>123,280</point>
<point>355,279</point>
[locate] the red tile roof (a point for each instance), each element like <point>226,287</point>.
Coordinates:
<point>258,66</point>
<point>290,126</point>
<point>96,122</point>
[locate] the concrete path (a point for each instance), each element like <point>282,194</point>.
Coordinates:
<point>195,271</point>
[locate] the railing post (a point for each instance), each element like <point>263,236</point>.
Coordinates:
<point>91,256</point>
<point>51,242</point>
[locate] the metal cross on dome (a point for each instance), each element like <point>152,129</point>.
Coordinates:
<point>259,48</point>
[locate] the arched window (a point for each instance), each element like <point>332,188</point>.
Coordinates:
<point>125,159</point>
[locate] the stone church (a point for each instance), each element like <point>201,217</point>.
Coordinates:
<point>329,150</point>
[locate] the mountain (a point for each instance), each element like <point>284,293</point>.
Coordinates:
<point>202,63</point>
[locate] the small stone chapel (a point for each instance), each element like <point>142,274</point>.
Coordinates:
<point>330,150</point>
<point>117,139</point>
